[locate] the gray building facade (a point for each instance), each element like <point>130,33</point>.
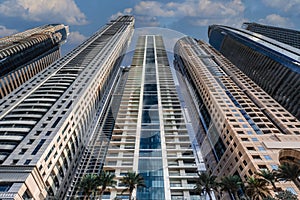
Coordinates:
<point>45,125</point>
<point>24,54</point>
<point>272,65</point>
<point>284,35</point>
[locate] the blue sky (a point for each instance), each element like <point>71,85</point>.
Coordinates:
<point>190,17</point>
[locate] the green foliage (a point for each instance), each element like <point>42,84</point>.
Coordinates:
<point>268,176</point>
<point>289,172</point>
<point>257,188</point>
<point>88,184</point>
<point>105,179</point>
<point>231,184</point>
<point>206,183</point>
<point>132,180</point>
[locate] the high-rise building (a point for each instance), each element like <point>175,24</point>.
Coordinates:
<point>284,35</point>
<point>84,114</point>
<point>24,54</point>
<point>244,128</point>
<point>149,135</point>
<point>272,65</point>
<point>46,124</point>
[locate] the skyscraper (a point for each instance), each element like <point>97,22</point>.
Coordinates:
<point>284,35</point>
<point>244,128</point>
<point>272,65</point>
<point>46,124</point>
<point>24,54</point>
<point>150,134</point>
<point>85,114</point>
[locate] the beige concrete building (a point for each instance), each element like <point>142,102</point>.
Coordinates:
<point>244,128</point>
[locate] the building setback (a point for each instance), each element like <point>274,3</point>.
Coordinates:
<point>284,35</point>
<point>244,127</point>
<point>45,125</point>
<point>25,54</point>
<point>272,65</point>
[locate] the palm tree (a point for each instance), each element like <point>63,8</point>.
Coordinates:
<point>106,179</point>
<point>268,176</point>
<point>132,180</point>
<point>257,188</point>
<point>206,183</point>
<point>231,184</point>
<point>289,172</point>
<point>88,184</point>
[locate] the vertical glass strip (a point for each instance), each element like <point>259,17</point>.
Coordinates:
<point>150,159</point>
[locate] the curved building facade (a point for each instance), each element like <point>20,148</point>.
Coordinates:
<point>23,55</point>
<point>284,35</point>
<point>274,66</point>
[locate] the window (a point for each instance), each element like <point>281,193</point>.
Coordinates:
<point>250,172</point>
<point>4,187</point>
<point>254,139</point>
<point>37,148</point>
<point>27,162</point>
<point>292,190</point>
<point>267,157</point>
<point>262,167</point>
<point>256,157</point>
<point>245,126</point>
<point>241,168</point>
<point>260,148</point>
<point>274,166</point>
<point>30,141</point>
<point>56,122</point>
<point>249,133</point>
<point>22,151</point>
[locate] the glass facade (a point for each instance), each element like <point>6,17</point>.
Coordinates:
<point>150,156</point>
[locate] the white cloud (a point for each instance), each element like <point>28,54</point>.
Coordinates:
<point>286,6</point>
<point>196,12</point>
<point>44,10</point>
<point>127,11</point>
<point>277,20</point>
<point>76,38</point>
<point>207,8</point>
<point>154,8</point>
<point>6,31</point>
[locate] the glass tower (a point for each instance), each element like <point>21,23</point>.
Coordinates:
<point>284,35</point>
<point>150,134</point>
<point>272,65</point>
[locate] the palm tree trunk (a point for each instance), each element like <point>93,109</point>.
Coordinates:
<point>296,181</point>
<point>209,194</point>
<point>95,193</point>
<point>130,195</point>
<point>235,195</point>
<point>100,196</point>
<point>274,186</point>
